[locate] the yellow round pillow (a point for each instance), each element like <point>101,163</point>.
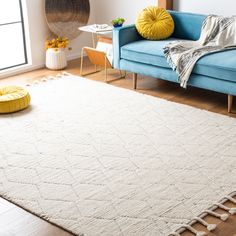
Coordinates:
<point>13,99</point>
<point>155,23</point>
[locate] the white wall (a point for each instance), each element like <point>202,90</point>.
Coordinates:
<point>103,11</point>
<point>225,7</point>
<point>39,32</point>
<point>107,10</point>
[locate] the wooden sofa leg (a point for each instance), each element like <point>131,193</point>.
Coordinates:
<point>230,102</point>
<point>135,78</point>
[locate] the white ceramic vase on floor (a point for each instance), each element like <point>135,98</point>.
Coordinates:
<point>56,59</point>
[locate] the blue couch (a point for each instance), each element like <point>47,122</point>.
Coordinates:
<point>135,54</point>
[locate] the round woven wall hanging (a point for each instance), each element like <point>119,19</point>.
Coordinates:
<point>64,17</point>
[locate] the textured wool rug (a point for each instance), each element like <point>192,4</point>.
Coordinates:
<point>100,160</point>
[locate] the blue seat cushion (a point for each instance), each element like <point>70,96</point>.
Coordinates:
<point>221,65</point>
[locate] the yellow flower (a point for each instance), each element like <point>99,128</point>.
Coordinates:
<point>56,43</point>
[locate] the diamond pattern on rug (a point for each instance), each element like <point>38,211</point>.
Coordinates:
<point>100,160</point>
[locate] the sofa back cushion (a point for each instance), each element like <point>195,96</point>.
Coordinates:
<point>187,25</point>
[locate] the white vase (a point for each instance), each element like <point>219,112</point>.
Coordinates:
<point>56,59</point>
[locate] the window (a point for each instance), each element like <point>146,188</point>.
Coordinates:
<point>12,35</point>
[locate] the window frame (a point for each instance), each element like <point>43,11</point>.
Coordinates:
<point>23,38</point>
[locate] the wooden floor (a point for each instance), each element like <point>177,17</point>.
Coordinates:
<point>14,221</point>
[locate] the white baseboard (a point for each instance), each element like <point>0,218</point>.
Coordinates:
<point>28,68</point>
<point>73,56</point>
<point>20,70</point>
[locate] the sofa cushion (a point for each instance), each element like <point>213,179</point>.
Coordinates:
<point>187,25</point>
<point>155,23</point>
<point>146,51</point>
<point>221,65</point>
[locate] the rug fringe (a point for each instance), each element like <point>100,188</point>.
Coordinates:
<point>47,78</point>
<point>210,227</point>
<point>210,211</point>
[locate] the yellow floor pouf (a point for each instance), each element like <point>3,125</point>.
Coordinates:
<point>13,99</point>
<point>155,23</point>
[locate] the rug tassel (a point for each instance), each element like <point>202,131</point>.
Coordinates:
<point>51,77</point>
<point>232,211</point>
<point>231,199</point>
<point>174,234</point>
<point>210,227</point>
<point>44,79</point>
<point>194,231</point>
<point>223,217</point>
<point>66,73</point>
<point>36,82</point>
<point>59,75</point>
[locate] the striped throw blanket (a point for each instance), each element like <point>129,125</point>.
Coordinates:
<point>218,34</point>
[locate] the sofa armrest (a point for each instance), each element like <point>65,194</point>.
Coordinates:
<point>122,36</point>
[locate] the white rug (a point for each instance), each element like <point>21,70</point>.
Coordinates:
<point>100,160</point>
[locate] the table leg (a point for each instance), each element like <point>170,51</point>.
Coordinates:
<point>93,39</point>
<point>94,46</point>
<point>81,62</point>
